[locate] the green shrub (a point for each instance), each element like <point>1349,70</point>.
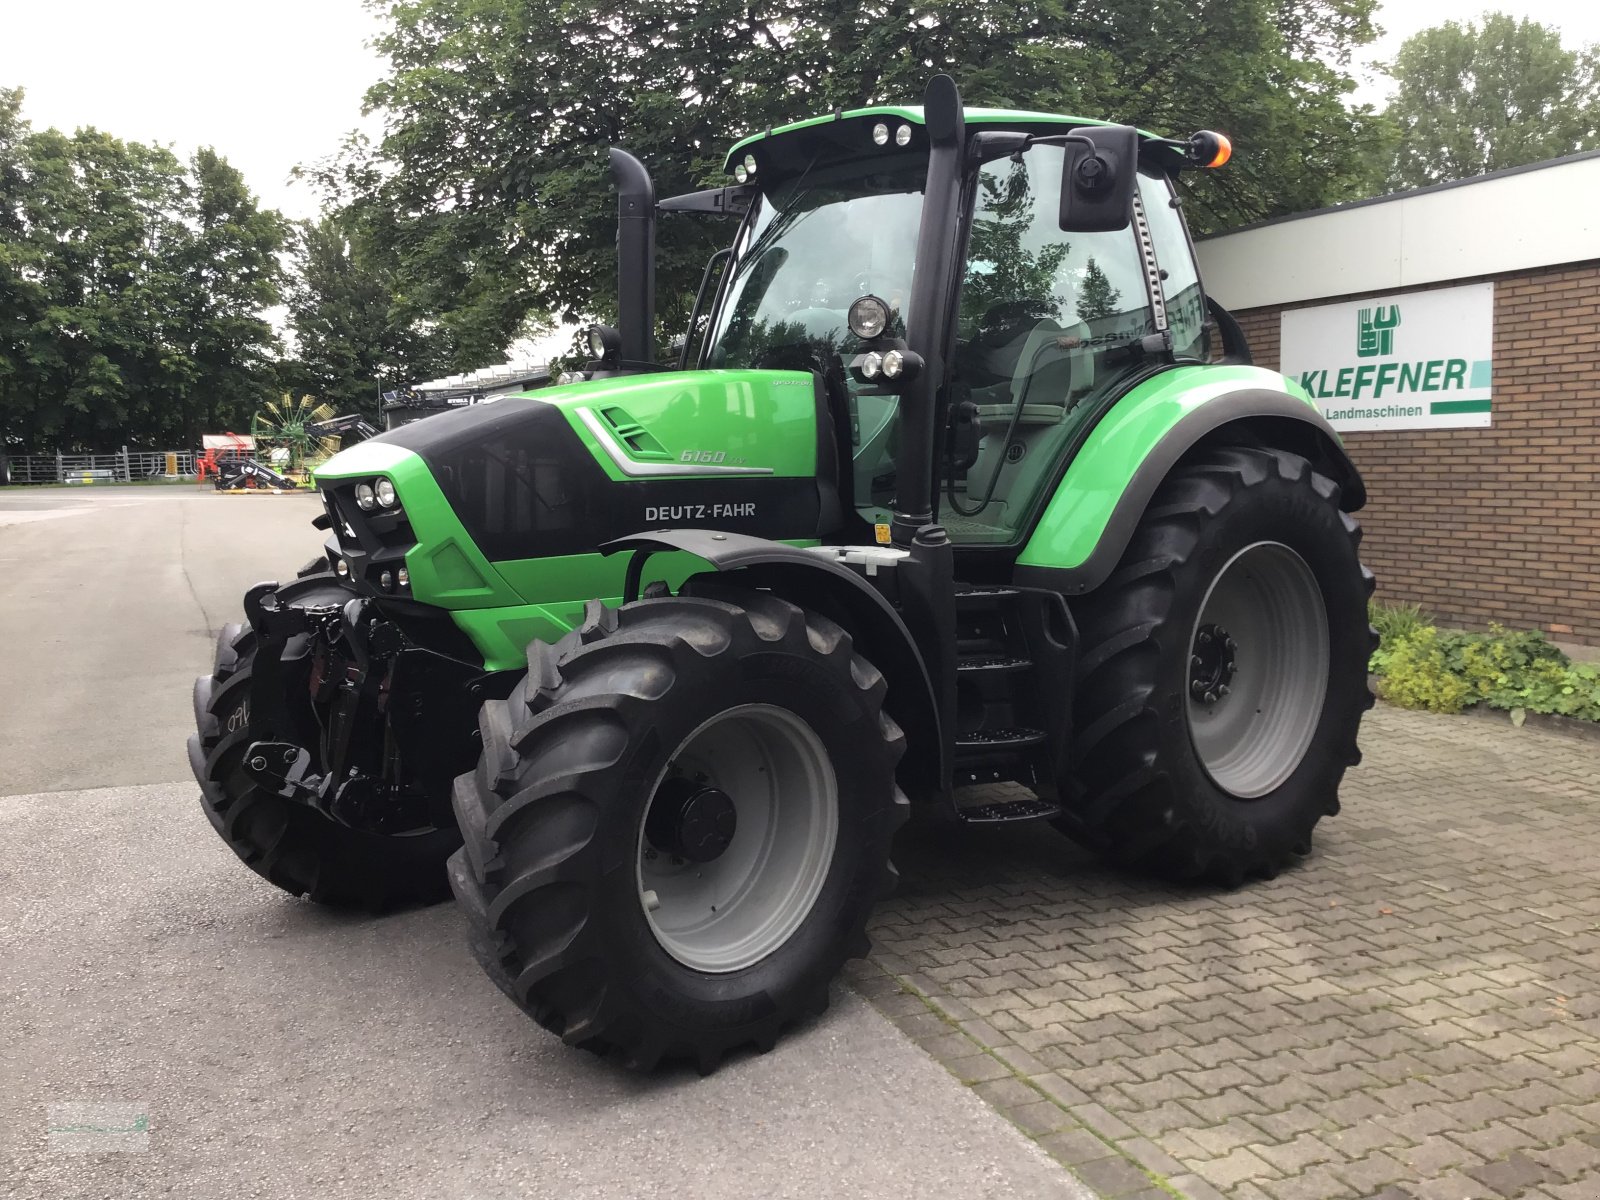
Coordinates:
<point>1417,675</point>
<point>1444,670</point>
<point>1501,666</point>
<point>1394,623</point>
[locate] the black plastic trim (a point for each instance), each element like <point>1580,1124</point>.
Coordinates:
<point>524,485</point>
<point>1235,346</point>
<point>824,585</point>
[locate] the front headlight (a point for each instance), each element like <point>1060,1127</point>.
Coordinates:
<point>387,496</point>
<point>365,497</point>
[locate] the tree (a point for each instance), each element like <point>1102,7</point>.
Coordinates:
<point>355,337</point>
<point>131,291</point>
<point>233,275</point>
<point>1473,98</point>
<point>1096,297</point>
<point>1001,269</point>
<point>99,235</point>
<point>21,302</point>
<point>488,190</point>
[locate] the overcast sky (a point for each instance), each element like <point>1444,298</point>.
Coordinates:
<point>272,85</point>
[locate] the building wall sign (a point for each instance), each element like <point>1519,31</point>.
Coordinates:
<point>1416,361</point>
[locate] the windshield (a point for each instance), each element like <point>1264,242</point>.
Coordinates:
<point>813,246</point>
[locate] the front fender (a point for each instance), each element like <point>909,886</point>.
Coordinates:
<point>824,586</point>
<point>1090,519</point>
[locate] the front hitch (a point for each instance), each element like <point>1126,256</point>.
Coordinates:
<point>347,717</point>
<point>357,800</point>
<point>275,759</point>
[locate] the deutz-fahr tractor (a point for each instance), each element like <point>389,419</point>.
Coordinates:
<point>948,487</point>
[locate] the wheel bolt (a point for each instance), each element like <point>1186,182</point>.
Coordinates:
<point>1194,660</point>
<point>1198,688</point>
<point>1230,665</point>
<point>1205,638</point>
<point>1222,689</point>
<point>1211,697</point>
<point>651,901</point>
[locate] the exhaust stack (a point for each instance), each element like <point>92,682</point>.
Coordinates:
<point>636,258</point>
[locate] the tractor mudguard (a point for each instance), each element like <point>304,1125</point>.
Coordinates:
<point>838,593</point>
<point>1090,518</point>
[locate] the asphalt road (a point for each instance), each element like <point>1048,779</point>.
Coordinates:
<point>255,1045</point>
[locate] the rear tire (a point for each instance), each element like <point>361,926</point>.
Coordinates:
<point>289,844</point>
<point>585,913</point>
<point>1223,673</point>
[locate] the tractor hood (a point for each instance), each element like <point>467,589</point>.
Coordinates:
<point>691,424</point>
<point>555,474</point>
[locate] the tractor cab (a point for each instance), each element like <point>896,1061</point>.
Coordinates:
<point>1050,324</point>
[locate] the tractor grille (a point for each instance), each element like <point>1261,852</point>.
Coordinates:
<point>371,543</point>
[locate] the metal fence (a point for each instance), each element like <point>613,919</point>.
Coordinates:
<point>125,466</point>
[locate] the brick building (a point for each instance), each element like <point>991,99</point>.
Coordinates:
<point>1485,487</point>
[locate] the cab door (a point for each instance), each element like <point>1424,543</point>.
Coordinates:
<point>1049,325</point>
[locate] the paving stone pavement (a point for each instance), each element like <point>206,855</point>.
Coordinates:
<point>1411,1014</point>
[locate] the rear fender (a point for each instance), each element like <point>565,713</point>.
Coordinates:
<point>1090,519</point>
<point>823,586</point>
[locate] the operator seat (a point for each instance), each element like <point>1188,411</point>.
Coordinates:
<point>1010,356</point>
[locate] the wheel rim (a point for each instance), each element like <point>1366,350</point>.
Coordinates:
<point>738,837</point>
<point>1258,669</point>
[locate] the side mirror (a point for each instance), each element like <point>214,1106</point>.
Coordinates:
<point>1100,172</point>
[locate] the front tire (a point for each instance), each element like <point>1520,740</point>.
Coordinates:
<point>1223,673</point>
<point>679,825</point>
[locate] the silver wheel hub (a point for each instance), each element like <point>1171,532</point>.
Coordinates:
<point>738,837</point>
<point>1258,669</point>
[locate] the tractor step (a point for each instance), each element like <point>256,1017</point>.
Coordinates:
<point>1023,808</point>
<point>1013,648</point>
<point>988,740</point>
<point>992,664</point>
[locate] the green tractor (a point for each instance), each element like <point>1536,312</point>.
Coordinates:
<point>948,488</point>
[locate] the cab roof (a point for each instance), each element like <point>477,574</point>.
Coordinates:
<point>865,118</point>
